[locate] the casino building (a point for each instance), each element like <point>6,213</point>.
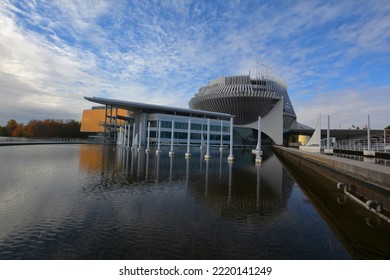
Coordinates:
<point>246,98</point>
<point>242,99</point>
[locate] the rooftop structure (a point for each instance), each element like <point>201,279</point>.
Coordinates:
<point>245,97</point>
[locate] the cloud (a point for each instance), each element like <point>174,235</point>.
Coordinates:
<point>346,107</point>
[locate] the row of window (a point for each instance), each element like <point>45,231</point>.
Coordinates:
<point>184,135</point>
<point>194,126</point>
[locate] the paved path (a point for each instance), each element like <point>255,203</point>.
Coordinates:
<point>375,173</point>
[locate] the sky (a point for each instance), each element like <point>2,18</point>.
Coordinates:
<point>333,55</point>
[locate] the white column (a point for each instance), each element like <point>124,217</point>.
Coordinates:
<point>231,157</point>
<point>328,134</point>
<point>188,154</point>
<point>207,155</point>
<point>328,150</point>
<point>368,152</point>
<point>140,137</point>
<point>259,153</point>
<point>124,136</point>
<point>171,152</point>
<point>158,151</point>
<point>148,139</point>
<point>384,139</point>
<point>201,137</point>
<point>369,134</point>
<point>118,140</point>
<point>133,144</point>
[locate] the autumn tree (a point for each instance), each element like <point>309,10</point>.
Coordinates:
<point>11,125</point>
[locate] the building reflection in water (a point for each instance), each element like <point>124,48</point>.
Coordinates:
<point>230,190</point>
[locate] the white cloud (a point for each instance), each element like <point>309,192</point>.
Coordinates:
<point>346,107</point>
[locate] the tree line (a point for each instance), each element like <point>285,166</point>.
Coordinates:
<point>43,128</point>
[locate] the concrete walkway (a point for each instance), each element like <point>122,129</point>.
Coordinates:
<point>374,173</point>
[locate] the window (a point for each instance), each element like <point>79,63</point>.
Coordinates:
<point>195,136</point>
<point>180,135</point>
<point>180,125</point>
<point>166,124</point>
<point>165,134</point>
<point>196,126</point>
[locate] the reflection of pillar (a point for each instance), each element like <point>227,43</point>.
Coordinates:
<point>206,179</point>
<point>230,182</point>
<point>200,161</point>
<point>258,173</point>
<point>207,155</point>
<point>220,165</point>
<point>127,159</point>
<point>139,166</point>
<point>147,167</point>
<point>171,152</point>
<point>188,154</point>
<point>158,151</point>
<point>221,145</point>
<point>170,169</point>
<point>187,171</point>
<point>157,166</point>
<point>231,157</point>
<point>132,163</point>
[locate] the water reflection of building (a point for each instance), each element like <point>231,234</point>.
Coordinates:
<point>243,192</point>
<point>227,190</point>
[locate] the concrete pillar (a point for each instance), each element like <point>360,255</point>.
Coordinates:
<point>158,151</point>
<point>207,155</point>
<point>133,146</point>
<point>148,140</point>
<point>188,154</point>
<point>258,152</point>
<point>231,157</point>
<point>368,152</point>
<point>171,152</point>
<point>140,137</point>
<point>328,150</point>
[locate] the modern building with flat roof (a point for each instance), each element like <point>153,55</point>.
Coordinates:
<point>139,124</point>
